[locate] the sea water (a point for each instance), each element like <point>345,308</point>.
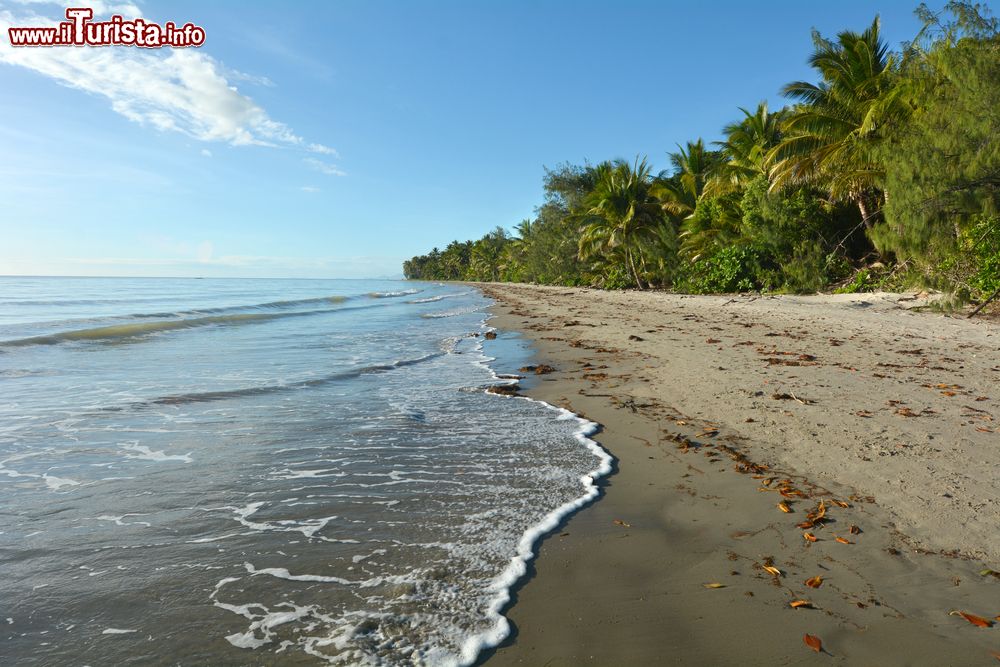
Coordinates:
<point>244,472</point>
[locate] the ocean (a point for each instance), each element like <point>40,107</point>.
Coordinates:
<point>267,472</point>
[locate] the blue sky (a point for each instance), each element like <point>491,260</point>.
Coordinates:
<point>335,139</point>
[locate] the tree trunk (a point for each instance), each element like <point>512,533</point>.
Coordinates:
<point>865,215</point>
<point>631,262</point>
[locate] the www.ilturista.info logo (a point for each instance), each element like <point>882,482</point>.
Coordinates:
<point>79,30</point>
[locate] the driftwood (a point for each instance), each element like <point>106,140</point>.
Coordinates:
<point>984,304</point>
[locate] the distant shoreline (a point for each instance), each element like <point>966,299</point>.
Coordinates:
<point>850,398</point>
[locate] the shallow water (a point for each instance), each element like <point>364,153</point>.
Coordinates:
<point>261,471</point>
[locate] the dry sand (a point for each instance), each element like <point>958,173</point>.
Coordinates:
<point>848,398</point>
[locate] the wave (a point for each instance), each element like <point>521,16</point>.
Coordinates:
<point>227,394</point>
<point>432,299</point>
<point>132,330</point>
<point>450,313</point>
<point>138,329</point>
<point>391,295</point>
<point>270,305</point>
<point>503,584</point>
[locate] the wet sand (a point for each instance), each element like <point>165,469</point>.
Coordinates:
<point>715,405</point>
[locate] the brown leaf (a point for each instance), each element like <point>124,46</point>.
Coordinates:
<point>978,621</point>
<point>806,524</point>
<point>810,537</point>
<point>855,530</point>
<point>773,570</point>
<point>714,585</point>
<point>840,503</point>
<point>813,642</point>
<point>797,604</point>
<point>623,524</point>
<point>843,541</point>
<point>814,582</point>
<point>995,654</point>
<point>783,506</point>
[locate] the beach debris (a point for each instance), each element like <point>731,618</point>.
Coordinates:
<point>989,573</point>
<point>854,530</point>
<point>490,335</point>
<point>791,397</point>
<point>714,584</point>
<point>784,507</point>
<point>712,341</point>
<point>504,389</point>
<point>813,642</point>
<point>817,515</point>
<point>540,369</point>
<point>636,338</point>
<point>623,524</point>
<point>978,621</point>
<point>995,654</point>
<point>801,604</point>
<point>840,503</point>
<point>772,570</point>
<point>843,541</point>
<point>906,412</point>
<point>814,582</point>
<point>810,537</point>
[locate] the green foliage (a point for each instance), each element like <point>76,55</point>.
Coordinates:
<point>732,269</point>
<point>943,167</point>
<point>891,154</point>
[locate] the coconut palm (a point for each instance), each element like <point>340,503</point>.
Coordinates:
<point>679,193</point>
<point>832,135</point>
<point>745,149</point>
<point>620,211</point>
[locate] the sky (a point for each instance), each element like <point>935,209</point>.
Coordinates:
<point>335,139</point>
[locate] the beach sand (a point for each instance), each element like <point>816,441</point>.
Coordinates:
<point>710,404</point>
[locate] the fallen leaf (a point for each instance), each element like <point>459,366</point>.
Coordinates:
<point>810,537</point>
<point>623,524</point>
<point>995,654</point>
<point>855,530</point>
<point>714,585</point>
<point>796,604</point>
<point>813,642</point>
<point>989,573</point>
<point>843,541</point>
<point>978,621</point>
<point>773,570</point>
<point>806,524</point>
<point>783,506</point>
<point>840,503</point>
<point>814,582</point>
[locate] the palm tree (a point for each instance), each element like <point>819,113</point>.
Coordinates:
<point>680,192</point>
<point>620,210</point>
<point>745,149</point>
<point>831,137</point>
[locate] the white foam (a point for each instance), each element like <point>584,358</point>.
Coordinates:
<point>282,573</point>
<point>518,566</point>
<point>117,631</point>
<point>143,452</point>
<point>56,483</point>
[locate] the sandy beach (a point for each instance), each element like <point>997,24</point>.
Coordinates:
<point>763,442</point>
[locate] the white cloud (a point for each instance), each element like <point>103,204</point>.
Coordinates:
<point>309,188</point>
<point>176,90</point>
<point>324,168</point>
<point>206,153</point>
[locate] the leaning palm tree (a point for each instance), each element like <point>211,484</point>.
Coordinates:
<point>620,211</point>
<point>745,149</point>
<point>832,135</point>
